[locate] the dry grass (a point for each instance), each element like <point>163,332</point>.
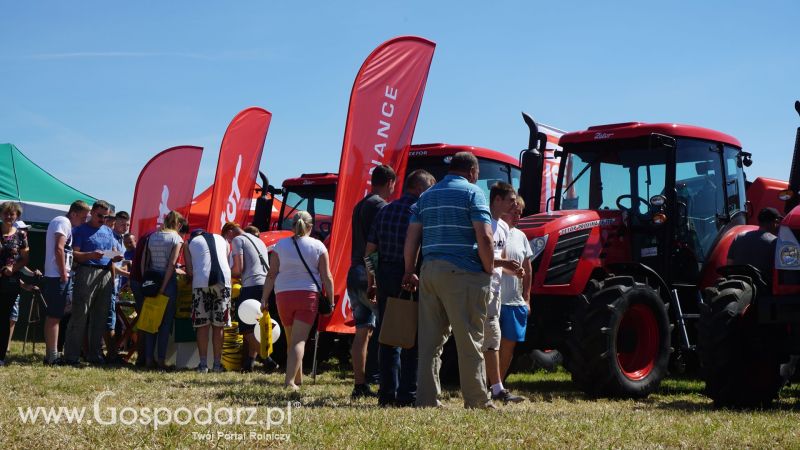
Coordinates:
<point>323,416</point>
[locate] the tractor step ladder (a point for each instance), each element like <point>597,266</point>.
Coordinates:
<point>681,317</point>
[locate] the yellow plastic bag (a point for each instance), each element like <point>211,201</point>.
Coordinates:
<point>265,346</point>
<point>183,304</point>
<point>152,313</point>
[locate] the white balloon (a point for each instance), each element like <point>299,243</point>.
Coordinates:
<point>249,311</point>
<point>276,331</point>
<point>257,332</point>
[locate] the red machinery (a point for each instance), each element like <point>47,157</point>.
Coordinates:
<point>632,236</point>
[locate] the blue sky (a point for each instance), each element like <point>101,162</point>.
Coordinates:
<point>91,90</point>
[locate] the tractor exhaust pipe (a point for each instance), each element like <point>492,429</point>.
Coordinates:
<point>263,213</point>
<point>531,160</point>
<point>794,175</point>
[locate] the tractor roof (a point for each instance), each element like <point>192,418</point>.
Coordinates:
<point>308,179</point>
<point>638,129</point>
<point>451,149</point>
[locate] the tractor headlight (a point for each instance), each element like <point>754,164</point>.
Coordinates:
<point>537,245</point>
<point>787,251</point>
<point>789,255</point>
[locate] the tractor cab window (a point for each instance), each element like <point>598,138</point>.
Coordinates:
<point>610,178</point>
<point>317,200</point>
<point>699,195</point>
<point>490,171</point>
<point>734,180</point>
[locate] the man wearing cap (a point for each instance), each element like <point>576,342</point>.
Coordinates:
<point>757,247</point>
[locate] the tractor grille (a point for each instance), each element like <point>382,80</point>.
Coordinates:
<point>566,255</point>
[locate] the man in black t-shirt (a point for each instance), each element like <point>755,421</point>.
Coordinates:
<point>363,304</point>
<point>757,247</point>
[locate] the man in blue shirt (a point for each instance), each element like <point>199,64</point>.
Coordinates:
<point>387,237</point>
<point>93,284</point>
<point>453,223</point>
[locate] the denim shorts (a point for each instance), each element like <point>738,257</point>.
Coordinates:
<point>14,311</point>
<point>364,312</point>
<point>57,294</point>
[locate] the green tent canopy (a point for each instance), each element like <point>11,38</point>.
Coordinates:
<point>42,195</point>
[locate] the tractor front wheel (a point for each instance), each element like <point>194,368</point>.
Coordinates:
<point>624,339</point>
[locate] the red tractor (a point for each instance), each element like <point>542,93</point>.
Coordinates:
<point>316,193</point>
<point>627,244</point>
<point>750,326</point>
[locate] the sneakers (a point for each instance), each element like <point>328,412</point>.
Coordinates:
<point>218,368</point>
<point>362,390</point>
<point>201,369</point>
<point>505,396</point>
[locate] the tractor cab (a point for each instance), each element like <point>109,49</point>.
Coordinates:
<point>667,191</point>
<point>620,251</point>
<point>314,193</point>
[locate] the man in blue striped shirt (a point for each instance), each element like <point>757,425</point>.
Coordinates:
<point>453,223</point>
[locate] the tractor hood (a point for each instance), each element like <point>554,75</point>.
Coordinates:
<point>568,245</point>
<point>567,221</point>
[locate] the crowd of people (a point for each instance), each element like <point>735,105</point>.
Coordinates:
<point>442,244</point>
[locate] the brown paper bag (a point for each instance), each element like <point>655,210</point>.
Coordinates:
<point>399,324</point>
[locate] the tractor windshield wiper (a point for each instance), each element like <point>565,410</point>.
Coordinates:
<point>580,174</point>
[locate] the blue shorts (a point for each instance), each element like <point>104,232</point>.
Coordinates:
<point>364,312</point>
<point>14,311</point>
<point>57,294</point>
<point>247,293</point>
<point>513,322</point>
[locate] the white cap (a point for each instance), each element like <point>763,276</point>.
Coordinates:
<point>21,225</point>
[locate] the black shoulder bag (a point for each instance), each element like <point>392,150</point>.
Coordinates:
<point>264,263</point>
<point>215,275</point>
<point>325,307</point>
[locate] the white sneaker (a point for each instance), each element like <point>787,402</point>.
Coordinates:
<point>202,369</point>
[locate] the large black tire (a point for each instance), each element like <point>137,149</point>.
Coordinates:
<point>620,344</point>
<point>740,359</point>
<point>548,360</point>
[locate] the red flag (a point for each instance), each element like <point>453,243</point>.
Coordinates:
<point>237,168</point>
<point>384,105</point>
<point>165,183</point>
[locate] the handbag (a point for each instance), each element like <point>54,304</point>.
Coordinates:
<point>399,323</point>
<point>325,307</point>
<point>152,313</point>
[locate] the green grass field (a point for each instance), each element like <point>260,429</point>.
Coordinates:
<point>322,415</point>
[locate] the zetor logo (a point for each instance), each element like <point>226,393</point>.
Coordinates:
<point>229,214</point>
<point>163,208</point>
<point>603,135</point>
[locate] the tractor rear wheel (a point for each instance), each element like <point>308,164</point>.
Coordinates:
<point>740,359</point>
<point>622,345</point>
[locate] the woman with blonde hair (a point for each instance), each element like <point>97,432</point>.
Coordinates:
<point>158,263</point>
<point>298,267</point>
<point>13,257</point>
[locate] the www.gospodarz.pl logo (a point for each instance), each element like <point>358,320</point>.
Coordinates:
<point>263,417</point>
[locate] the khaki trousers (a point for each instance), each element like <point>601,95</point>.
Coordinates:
<point>91,300</point>
<point>450,297</point>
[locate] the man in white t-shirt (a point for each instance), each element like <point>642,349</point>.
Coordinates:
<point>502,199</point>
<point>57,283</point>
<point>211,292</point>
<point>515,294</point>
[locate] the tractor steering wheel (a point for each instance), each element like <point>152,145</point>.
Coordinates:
<point>622,197</point>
